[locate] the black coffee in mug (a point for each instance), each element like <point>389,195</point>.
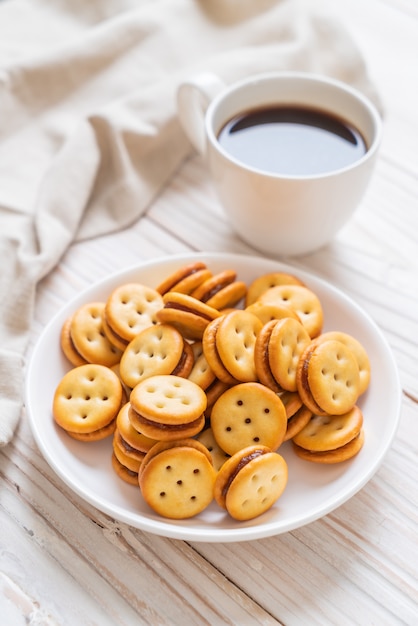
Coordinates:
<point>292,140</point>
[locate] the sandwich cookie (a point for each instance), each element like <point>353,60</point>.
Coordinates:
<point>186,279</point>
<point>358,351</point>
<point>88,336</point>
<point>167,407</point>
<point>266,281</point>
<point>268,311</point>
<point>221,291</point>
<point>129,447</point>
<point>250,482</point>
<point>278,350</point>
<point>328,380</point>
<point>86,402</point>
<point>331,438</point>
<point>177,478</point>
<point>67,345</point>
<point>159,349</point>
<point>302,301</point>
<point>235,343</point>
<point>129,309</point>
<point>210,350</point>
<point>201,373</point>
<point>218,455</point>
<point>189,315</point>
<point>248,414</point>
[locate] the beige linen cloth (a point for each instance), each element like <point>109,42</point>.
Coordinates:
<point>88,126</point>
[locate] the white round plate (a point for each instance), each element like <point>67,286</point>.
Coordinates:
<point>312,491</point>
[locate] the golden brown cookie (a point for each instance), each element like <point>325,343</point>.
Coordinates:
<point>159,349</point>
<point>213,392</point>
<point>201,373</point>
<point>248,414</point>
<point>127,475</point>
<point>359,352</point>
<point>128,456</point>
<point>222,290</point>
<point>302,301</point>
<point>250,482</point>
<point>130,308</point>
<point>288,340</point>
<point>167,407</point>
<point>328,432</point>
<point>218,455</point>
<point>129,438</point>
<point>185,279</point>
<point>267,281</point>
<point>96,435</point>
<point>261,357</point>
<point>292,402</point>
<point>328,379</point>
<point>177,480</point>
<point>189,315</point>
<point>267,311</point>
<point>87,399</point>
<point>67,345</point>
<point>297,421</point>
<point>235,344</point>
<point>328,457</point>
<point>210,350</point>
<point>89,338</point>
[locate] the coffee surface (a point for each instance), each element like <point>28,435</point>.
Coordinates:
<point>292,141</point>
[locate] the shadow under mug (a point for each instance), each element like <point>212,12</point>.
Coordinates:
<point>280,214</point>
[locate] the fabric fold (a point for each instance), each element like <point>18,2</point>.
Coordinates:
<point>89,133</point>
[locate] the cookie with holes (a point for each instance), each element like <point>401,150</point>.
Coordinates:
<point>167,407</point>
<point>328,379</point>
<point>302,301</point>
<point>87,400</point>
<point>266,281</point>
<point>185,279</point>
<point>188,314</point>
<point>177,478</point>
<point>268,311</point>
<point>129,439</point>
<point>218,455</point>
<point>159,349</point>
<point>201,372</point>
<point>89,338</point>
<point>330,457</point>
<point>358,350</point>
<point>281,350</point>
<point>235,344</point>
<point>67,345</point>
<point>248,414</point>
<point>329,432</point>
<point>250,482</point>
<point>210,350</point>
<point>222,290</point>
<point>130,308</point>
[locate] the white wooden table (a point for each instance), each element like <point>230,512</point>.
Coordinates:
<point>64,562</point>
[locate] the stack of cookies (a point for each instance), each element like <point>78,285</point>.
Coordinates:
<point>201,379</point>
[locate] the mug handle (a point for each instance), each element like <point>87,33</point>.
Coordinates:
<point>193,99</point>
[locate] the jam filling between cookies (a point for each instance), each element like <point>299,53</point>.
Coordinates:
<point>242,463</point>
<point>305,380</point>
<point>163,426</point>
<point>186,309</point>
<point>215,290</point>
<point>114,334</point>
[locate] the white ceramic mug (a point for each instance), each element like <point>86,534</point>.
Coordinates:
<point>280,214</point>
